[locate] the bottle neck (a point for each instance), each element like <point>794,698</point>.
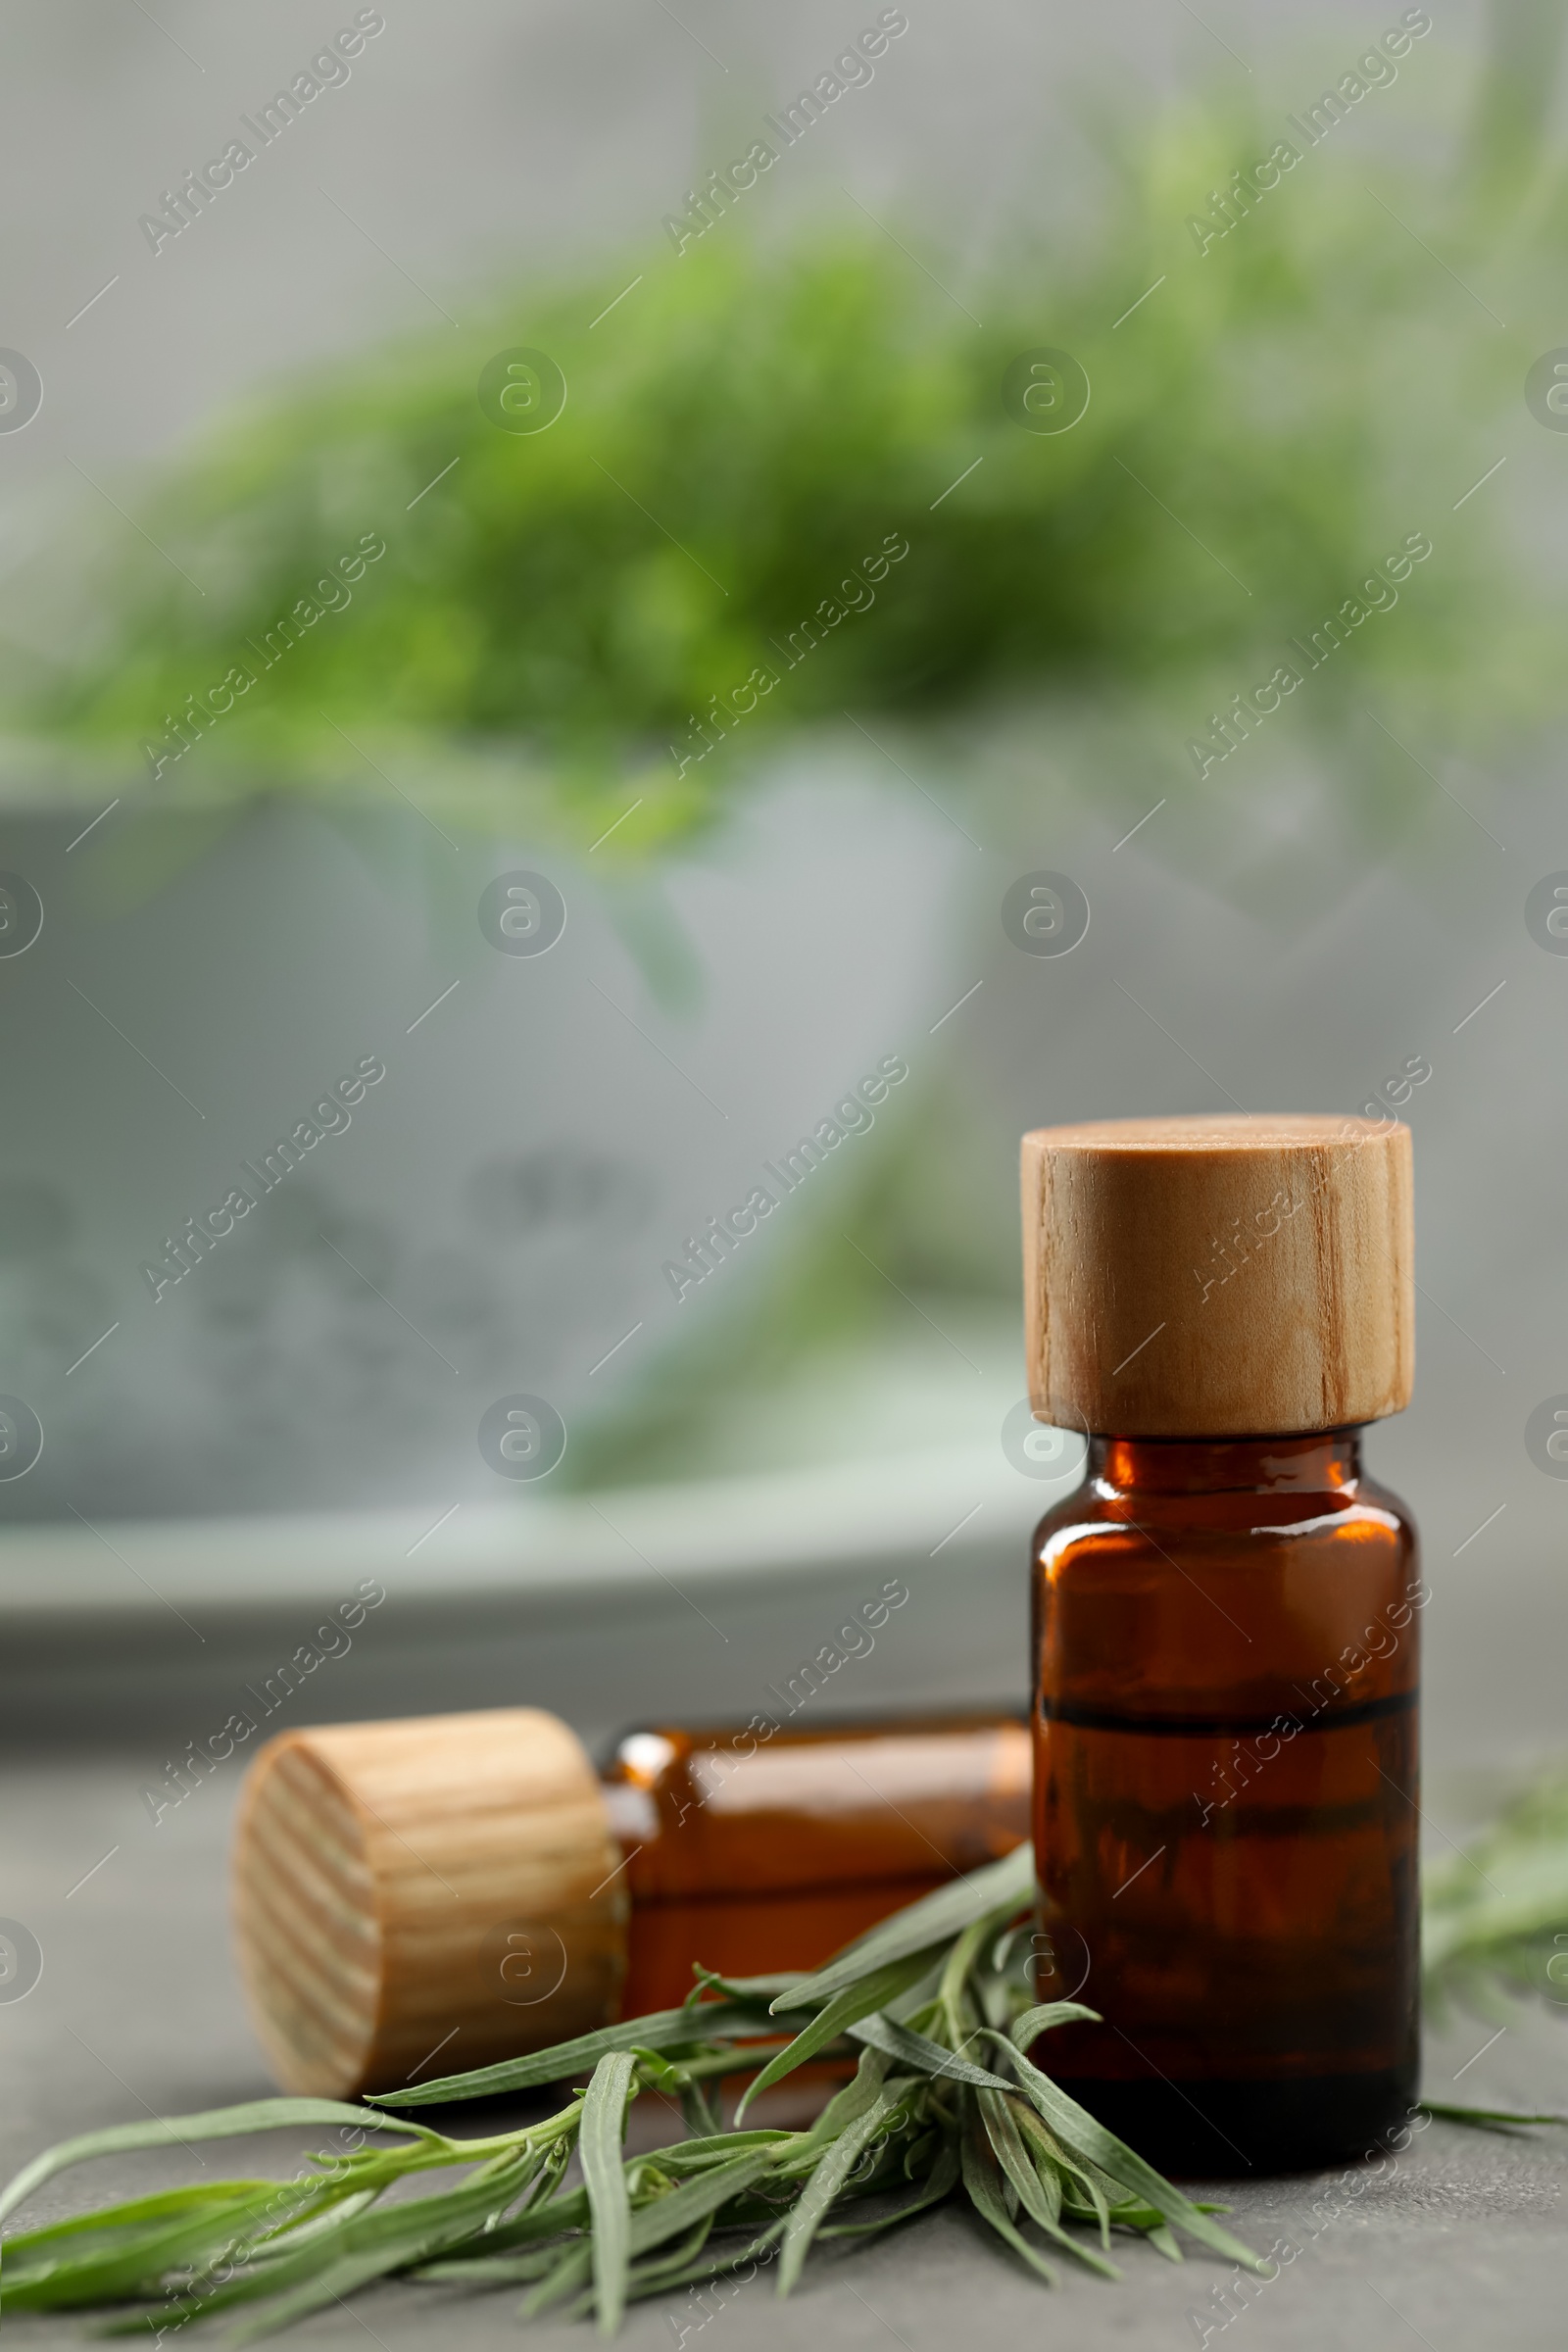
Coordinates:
<point>1313,1464</point>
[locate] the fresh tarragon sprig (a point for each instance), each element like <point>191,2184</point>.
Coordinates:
<point>945,2100</point>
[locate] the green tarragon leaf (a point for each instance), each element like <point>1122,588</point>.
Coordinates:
<point>1082,2136</point>
<point>217,2123</point>
<point>599,2150</point>
<point>846,2008</point>
<point>664,2029</point>
<point>935,1920</point>
<point>832,2172</point>
<point>927,2057</point>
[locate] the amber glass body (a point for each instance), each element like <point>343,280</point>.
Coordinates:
<point>1225,1729</point>
<point>754,1852</point>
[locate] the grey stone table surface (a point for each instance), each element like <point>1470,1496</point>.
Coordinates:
<point>1458,2239</point>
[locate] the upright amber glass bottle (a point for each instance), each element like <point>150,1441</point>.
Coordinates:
<point>1225,1630</point>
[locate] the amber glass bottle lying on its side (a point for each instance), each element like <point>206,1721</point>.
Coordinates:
<point>754,1858</point>
<point>438,1894</point>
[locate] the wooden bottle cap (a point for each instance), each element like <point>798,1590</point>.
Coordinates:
<point>1219,1277</point>
<point>447,1881</point>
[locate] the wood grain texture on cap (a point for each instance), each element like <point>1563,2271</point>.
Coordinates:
<point>1218,1276</point>
<point>434,1889</point>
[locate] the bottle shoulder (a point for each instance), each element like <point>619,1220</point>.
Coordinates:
<point>1230,1602</point>
<point>1095,1519</point>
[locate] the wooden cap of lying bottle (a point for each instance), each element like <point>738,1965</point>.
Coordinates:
<point>1219,1277</point>
<point>422,1897</point>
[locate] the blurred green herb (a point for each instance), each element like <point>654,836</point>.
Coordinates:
<point>754,422</point>
<point>1497,1915</point>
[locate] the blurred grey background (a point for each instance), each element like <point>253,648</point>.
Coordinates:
<point>548,1132</point>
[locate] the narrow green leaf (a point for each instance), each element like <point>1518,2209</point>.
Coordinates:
<point>1034,2021</point>
<point>812,2206</point>
<point>656,2072</point>
<point>846,2008</point>
<point>456,2212</point>
<point>113,2273</point>
<point>919,2008</point>
<point>937,2183</point>
<point>551,2218</point>
<point>666,2217</point>
<point>1047,2171</point>
<point>761,1989</point>
<point>648,2277</point>
<point>599,2152</point>
<point>1062,2178</point>
<point>359,2246</point>
<point>696,2110</point>
<point>996,2113</point>
<point>759,2208</point>
<point>569,2273</point>
<point>1081,2197</point>
<point>713,2266</point>
<point>218,2122</point>
<point>953,1986</point>
<point>843,2108</point>
<point>1087,2190</point>
<point>934,1920</point>
<point>926,2057</point>
<point>1084,2137</point>
<point>717,2147</point>
<point>1485,2116</point>
<point>1160,2236</point>
<point>1004,1947</point>
<point>503,2270</point>
<point>337,2277</point>
<point>982,2179</point>
<point>167,2205</point>
<point>664,2029</point>
<point>391,2239</point>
